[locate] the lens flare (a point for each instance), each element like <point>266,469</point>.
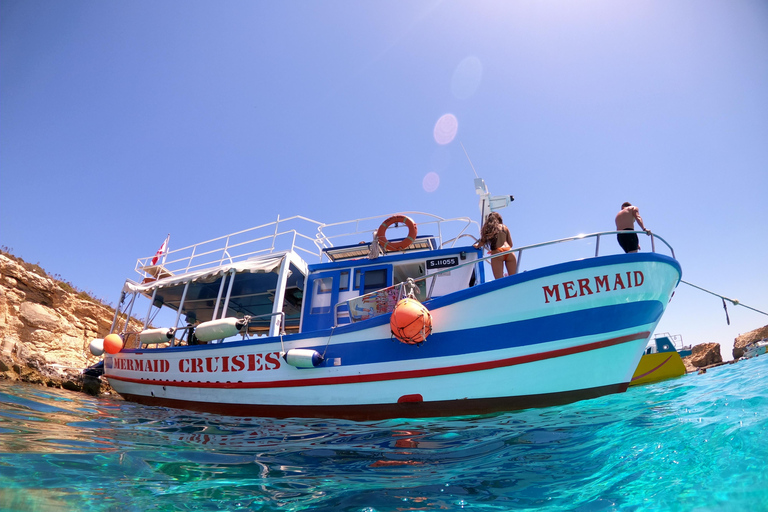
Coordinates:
<point>467,77</point>
<point>431,181</point>
<point>446,128</point>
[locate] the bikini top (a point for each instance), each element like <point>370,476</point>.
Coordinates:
<point>500,240</point>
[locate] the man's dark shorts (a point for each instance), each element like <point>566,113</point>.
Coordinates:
<point>628,241</point>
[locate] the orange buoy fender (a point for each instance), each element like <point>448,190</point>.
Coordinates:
<point>381,234</point>
<point>113,343</point>
<point>410,322</point>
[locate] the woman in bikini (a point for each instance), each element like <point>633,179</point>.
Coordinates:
<point>496,238</point>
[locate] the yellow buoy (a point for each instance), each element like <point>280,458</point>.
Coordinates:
<point>113,343</point>
<point>410,322</point>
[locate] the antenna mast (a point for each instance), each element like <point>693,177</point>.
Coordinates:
<point>488,203</point>
<point>470,161</point>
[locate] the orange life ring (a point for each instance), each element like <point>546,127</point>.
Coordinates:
<point>381,234</point>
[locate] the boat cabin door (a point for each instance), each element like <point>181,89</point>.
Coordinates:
<point>326,289</point>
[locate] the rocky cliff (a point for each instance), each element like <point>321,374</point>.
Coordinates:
<point>46,327</point>
<point>745,339</point>
<point>704,355</point>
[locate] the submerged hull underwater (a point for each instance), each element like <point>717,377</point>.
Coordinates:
<point>548,336</point>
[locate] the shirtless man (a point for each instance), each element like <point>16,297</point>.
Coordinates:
<point>625,221</point>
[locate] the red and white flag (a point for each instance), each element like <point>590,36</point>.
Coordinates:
<point>162,250</point>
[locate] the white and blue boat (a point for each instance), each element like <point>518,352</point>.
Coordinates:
<point>293,319</point>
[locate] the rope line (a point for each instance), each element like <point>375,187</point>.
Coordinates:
<point>329,341</point>
<point>735,302</point>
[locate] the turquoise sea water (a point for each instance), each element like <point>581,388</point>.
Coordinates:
<point>697,443</point>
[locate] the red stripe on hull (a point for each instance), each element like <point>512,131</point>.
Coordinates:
<point>411,374</point>
<point>445,408</point>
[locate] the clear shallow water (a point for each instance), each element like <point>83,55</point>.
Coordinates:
<point>696,443</point>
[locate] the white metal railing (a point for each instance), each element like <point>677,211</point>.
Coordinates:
<point>352,230</point>
<point>175,340</point>
<point>284,234</point>
<point>398,290</point>
<point>675,339</point>
<point>597,237</point>
<point>281,235</point>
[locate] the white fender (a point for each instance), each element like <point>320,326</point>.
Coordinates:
<point>218,329</point>
<point>155,336</point>
<point>97,347</point>
<point>303,358</point>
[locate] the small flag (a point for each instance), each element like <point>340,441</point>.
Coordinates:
<point>163,248</point>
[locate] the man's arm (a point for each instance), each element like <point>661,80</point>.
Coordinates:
<point>639,220</point>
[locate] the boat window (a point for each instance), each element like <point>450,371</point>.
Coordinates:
<point>403,271</point>
<point>375,280</point>
<point>369,280</point>
<point>321,295</point>
<point>344,281</point>
<point>323,285</point>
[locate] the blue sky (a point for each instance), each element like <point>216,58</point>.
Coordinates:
<point>123,121</point>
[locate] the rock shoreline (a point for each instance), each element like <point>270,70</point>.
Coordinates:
<point>703,356</point>
<point>46,327</point>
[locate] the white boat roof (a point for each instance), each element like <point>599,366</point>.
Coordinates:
<point>257,264</point>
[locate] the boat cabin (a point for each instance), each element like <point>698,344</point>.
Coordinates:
<point>353,287</point>
<point>665,342</point>
<point>271,292</point>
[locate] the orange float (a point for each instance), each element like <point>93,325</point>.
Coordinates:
<point>410,322</point>
<point>113,343</point>
<point>381,234</point>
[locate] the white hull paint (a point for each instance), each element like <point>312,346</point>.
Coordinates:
<point>490,343</point>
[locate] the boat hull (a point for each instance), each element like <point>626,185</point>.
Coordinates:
<point>657,367</point>
<point>544,337</point>
<point>372,412</point>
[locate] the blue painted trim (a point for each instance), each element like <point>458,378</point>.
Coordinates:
<point>458,297</point>
<point>320,320</point>
<point>424,238</point>
<point>392,258</point>
<point>595,321</point>
<point>559,268</point>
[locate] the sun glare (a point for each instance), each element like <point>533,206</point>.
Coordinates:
<point>431,181</point>
<point>446,128</point>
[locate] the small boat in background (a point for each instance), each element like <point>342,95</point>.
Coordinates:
<point>755,348</point>
<point>663,359</point>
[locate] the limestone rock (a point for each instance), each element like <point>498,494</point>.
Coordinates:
<point>45,329</point>
<point>745,339</point>
<point>39,316</point>
<point>703,355</point>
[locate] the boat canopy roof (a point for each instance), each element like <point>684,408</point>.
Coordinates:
<point>269,263</point>
<point>252,293</point>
